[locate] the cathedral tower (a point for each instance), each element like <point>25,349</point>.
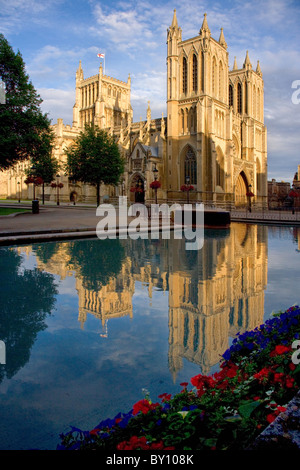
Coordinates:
<point>216,138</point>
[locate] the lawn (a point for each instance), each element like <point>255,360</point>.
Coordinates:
<point>10,210</point>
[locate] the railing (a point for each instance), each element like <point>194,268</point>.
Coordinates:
<point>283,216</point>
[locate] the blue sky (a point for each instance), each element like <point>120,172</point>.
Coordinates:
<point>53,36</point>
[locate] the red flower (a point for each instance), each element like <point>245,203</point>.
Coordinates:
<point>165,397</point>
<point>272,416</point>
<point>279,349</point>
<point>249,194</point>
<point>187,187</point>
<point>142,444</point>
<point>144,406</point>
<point>155,185</point>
<point>95,431</point>
<point>202,383</point>
<point>262,374</point>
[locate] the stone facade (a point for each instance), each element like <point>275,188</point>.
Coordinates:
<point>213,135</point>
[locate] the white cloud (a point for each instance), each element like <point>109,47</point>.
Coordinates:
<point>58,103</point>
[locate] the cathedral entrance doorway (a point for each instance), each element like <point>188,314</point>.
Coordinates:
<point>137,191</point>
<point>241,189</point>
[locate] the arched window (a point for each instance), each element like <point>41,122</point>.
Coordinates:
<point>202,71</point>
<point>220,80</point>
<point>214,77</point>
<point>184,75</point>
<point>239,98</point>
<point>230,96</point>
<point>190,166</point>
<point>258,104</point>
<point>195,73</point>
<point>246,97</point>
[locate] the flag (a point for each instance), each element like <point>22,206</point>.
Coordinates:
<point>100,55</point>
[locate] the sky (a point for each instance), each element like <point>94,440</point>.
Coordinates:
<point>54,35</point>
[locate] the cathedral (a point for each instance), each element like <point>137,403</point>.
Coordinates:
<point>213,138</point>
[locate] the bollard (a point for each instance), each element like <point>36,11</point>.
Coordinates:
<point>35,206</point>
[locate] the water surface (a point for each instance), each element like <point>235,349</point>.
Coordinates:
<point>89,324</point>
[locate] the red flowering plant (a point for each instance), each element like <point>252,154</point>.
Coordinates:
<point>226,410</point>
<point>155,184</point>
<point>36,180</point>
<point>57,185</point>
<point>250,194</point>
<point>187,187</point>
<point>136,189</point>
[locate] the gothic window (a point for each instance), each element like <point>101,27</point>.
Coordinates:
<point>190,166</point>
<point>202,71</point>
<point>220,80</point>
<point>254,102</point>
<point>258,104</point>
<point>230,97</point>
<point>246,100</point>
<point>239,98</point>
<point>195,73</point>
<point>184,75</point>
<point>214,77</point>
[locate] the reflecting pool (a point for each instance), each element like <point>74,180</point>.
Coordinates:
<point>89,325</point>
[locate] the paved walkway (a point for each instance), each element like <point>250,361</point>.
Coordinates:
<point>63,221</point>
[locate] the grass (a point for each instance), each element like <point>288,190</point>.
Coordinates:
<point>10,210</point>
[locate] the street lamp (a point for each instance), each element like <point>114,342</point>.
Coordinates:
<point>57,186</point>
<point>19,191</point>
<point>187,180</point>
<point>33,168</point>
<point>155,171</point>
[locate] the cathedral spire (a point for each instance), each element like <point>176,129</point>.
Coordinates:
<point>235,66</point>
<point>258,69</point>
<point>204,31</point>
<point>247,63</point>
<point>222,39</point>
<point>174,22</point>
<point>79,72</point>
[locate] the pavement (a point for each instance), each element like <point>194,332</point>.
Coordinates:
<point>53,222</point>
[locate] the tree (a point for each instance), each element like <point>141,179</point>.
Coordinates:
<point>45,166</point>
<point>25,130</point>
<point>94,158</point>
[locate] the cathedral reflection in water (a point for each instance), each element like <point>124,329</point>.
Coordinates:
<point>213,293</point>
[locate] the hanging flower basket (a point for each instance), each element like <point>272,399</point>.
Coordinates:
<point>28,180</point>
<point>37,181</point>
<point>250,194</point>
<point>294,194</point>
<point>155,185</point>
<point>136,189</point>
<point>55,185</point>
<point>187,187</point>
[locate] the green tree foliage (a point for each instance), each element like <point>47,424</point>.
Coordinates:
<point>94,158</point>
<point>25,130</point>
<point>45,166</point>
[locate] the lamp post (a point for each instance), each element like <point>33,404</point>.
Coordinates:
<point>33,168</point>
<point>35,203</point>
<point>155,171</point>
<point>19,192</point>
<point>57,186</point>
<point>187,180</point>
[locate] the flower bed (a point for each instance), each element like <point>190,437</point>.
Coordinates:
<point>259,374</point>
